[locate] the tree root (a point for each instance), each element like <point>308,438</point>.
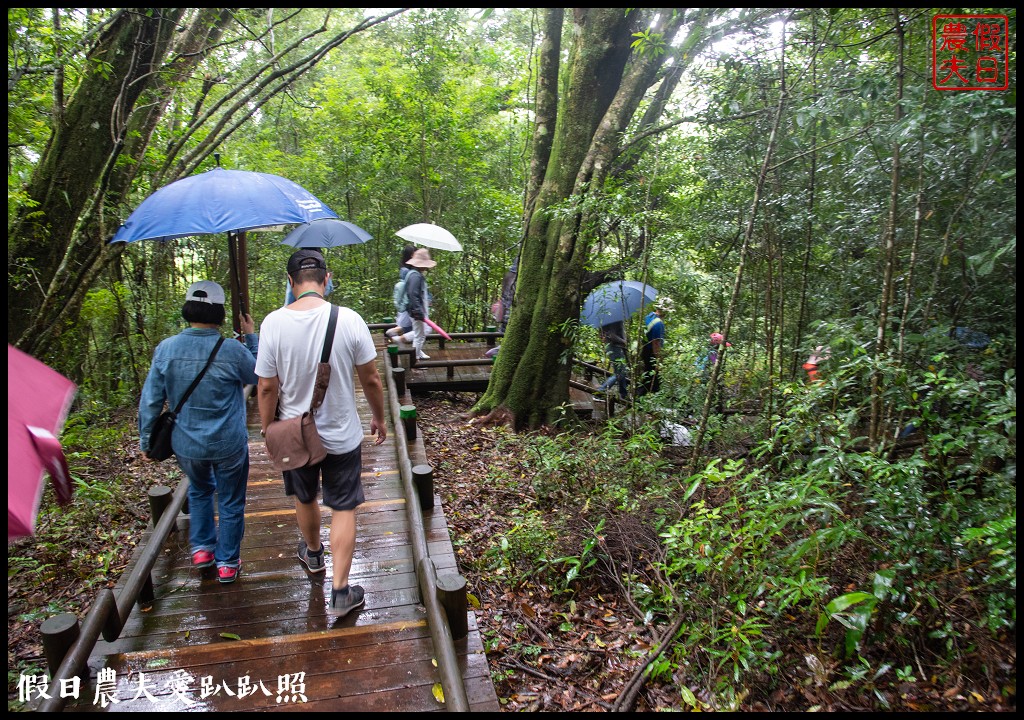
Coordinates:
<point>626,701</point>
<point>498,416</point>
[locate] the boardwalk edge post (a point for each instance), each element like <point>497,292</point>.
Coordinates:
<point>451,591</point>
<point>407,414</point>
<point>423,479</point>
<point>59,634</point>
<point>159,499</point>
<point>398,373</point>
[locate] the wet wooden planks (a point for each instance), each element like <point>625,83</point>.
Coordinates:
<point>466,378</point>
<point>182,654</point>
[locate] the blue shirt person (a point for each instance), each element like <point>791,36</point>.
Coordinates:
<point>654,328</point>
<point>210,441</point>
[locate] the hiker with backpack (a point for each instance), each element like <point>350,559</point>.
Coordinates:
<point>403,323</point>
<point>403,331</point>
<point>417,295</point>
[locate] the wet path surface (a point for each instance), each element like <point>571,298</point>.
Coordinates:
<point>266,642</point>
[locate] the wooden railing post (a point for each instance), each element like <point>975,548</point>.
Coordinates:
<point>451,592</point>
<point>159,499</point>
<point>407,413</point>
<point>398,373</point>
<point>59,634</point>
<point>423,480</point>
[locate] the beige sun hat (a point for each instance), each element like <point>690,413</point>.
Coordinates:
<point>421,259</point>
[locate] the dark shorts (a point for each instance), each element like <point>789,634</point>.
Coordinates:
<point>343,485</point>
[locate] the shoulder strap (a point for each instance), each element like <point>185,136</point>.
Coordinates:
<point>329,339</point>
<point>323,369</point>
<point>199,377</point>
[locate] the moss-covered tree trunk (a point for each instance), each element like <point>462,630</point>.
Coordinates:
<point>597,95</point>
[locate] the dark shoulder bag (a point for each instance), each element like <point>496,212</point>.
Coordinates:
<point>163,428</point>
<point>295,442</point>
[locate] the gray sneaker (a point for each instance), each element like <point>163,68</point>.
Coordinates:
<point>314,561</point>
<point>345,601</point>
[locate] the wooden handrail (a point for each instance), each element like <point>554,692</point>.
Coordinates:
<point>482,335</point>
<point>450,365</point>
<point>455,697</point>
<point>454,362</point>
<point>581,386</point>
<point>591,367</point>
<point>109,613</point>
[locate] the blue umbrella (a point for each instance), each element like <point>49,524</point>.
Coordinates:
<point>219,201</point>
<point>615,301</point>
<point>328,232</point>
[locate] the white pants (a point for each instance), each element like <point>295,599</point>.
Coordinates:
<point>419,335</point>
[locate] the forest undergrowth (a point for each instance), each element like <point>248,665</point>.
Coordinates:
<point>581,576</point>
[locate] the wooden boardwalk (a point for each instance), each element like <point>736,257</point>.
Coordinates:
<point>424,377</point>
<point>266,642</point>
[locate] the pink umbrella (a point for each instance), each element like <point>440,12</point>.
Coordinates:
<point>437,328</point>
<point>38,400</point>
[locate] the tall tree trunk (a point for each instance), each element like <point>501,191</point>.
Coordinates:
<point>58,241</point>
<point>702,425</point>
<point>888,250</point>
<point>599,93</point>
<point>908,282</point>
<point>812,172</point>
<point>88,251</point>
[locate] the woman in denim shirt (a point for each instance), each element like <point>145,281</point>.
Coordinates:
<point>210,438</point>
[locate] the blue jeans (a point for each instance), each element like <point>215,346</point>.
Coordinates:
<point>228,478</point>
<point>622,378</point>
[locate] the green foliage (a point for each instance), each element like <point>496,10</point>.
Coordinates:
<point>608,466</point>
<point>648,42</point>
<point>574,565</point>
<point>760,543</point>
<point>516,552</point>
<point>996,545</point>
<point>853,611</point>
<point>600,476</point>
<point>735,563</point>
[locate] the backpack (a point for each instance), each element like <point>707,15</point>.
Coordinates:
<point>400,296</point>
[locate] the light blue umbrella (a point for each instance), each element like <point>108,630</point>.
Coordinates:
<point>325,233</point>
<point>615,301</point>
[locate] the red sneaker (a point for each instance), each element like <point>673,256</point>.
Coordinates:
<point>229,574</point>
<point>202,559</point>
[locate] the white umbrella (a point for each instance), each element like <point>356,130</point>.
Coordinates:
<point>429,235</point>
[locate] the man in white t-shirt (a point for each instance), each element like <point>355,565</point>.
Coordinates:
<point>291,342</point>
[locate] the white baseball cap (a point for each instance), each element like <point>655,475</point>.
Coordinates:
<point>205,291</point>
